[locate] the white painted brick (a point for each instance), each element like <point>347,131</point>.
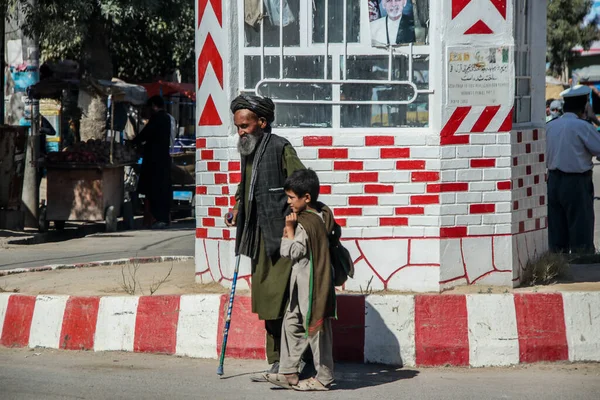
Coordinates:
<point>416,188</point>
<point>469,175</point>
<point>379,165</point>
<point>348,140</point>
<point>497,196</point>
<point>233,153</point>
<point>423,220</point>
<point>468,198</point>
<point>361,153</point>
<point>296,141</point>
<point>433,209</point>
<point>454,209</point>
<point>448,152</point>
<point>333,177</point>
<point>502,229</point>
<point>206,201</point>
<point>362,222</point>
<point>307,153</point>
<point>348,233</point>
<point>462,220</point>
<point>483,186</point>
<point>384,211</point>
<point>496,174</point>
<point>411,139</point>
<point>394,176</point>
<point>503,138</point>
<point>381,232</point>
<point>433,165</point>
<point>394,200</point>
<point>505,207</point>
<point>447,198</point>
<point>448,220</point>
<point>480,230</point>
<point>483,138</point>
<point>215,233</point>
<point>334,200</point>
<point>319,165</point>
<point>206,178</point>
<point>499,150</point>
<point>347,189</point>
<point>448,176</point>
<point>502,162</point>
<point>223,154</point>
<point>425,152</point>
<point>497,218</point>
<point>431,231</point>
<point>433,140</point>
<point>216,143</point>
<point>454,164</point>
<point>202,211</point>
<point>469,151</point>
<point>409,231</point>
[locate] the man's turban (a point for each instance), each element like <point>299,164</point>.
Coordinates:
<point>263,107</point>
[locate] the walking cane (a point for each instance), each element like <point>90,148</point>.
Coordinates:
<point>228,320</point>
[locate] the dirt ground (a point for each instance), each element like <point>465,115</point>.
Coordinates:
<point>118,280</point>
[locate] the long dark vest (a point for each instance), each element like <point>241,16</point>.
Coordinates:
<point>269,196</point>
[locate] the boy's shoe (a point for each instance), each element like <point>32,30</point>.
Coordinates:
<point>262,376</point>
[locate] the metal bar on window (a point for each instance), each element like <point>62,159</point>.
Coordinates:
<point>345,40</point>
<point>262,40</point>
<point>410,62</point>
<point>281,39</point>
<point>326,41</point>
<point>390,62</point>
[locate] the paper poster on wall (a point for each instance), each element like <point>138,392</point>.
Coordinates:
<point>480,76</point>
<point>395,22</point>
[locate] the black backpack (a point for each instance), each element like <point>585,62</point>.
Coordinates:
<point>341,261</point>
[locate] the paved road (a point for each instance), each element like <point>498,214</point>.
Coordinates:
<point>45,374</point>
<point>177,241</point>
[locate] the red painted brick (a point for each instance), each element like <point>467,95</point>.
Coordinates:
<point>529,191</point>
<point>455,140</point>
<point>410,164</point>
<point>201,233</point>
<point>425,176</point>
<point>220,179</point>
<point>442,331</point>
<point>541,158</point>
<point>530,213</point>
<point>515,205</point>
<point>483,163</point>
<point>222,201</point>
<point>453,232</point>
<point>536,179</point>
<point>234,166</point>
<point>410,210</point>
<point>379,140</point>
<point>356,177</point>
<point>79,323</point>
<point>235,177</point>
<point>226,234</point>
<point>17,321</point>
<point>214,212</point>
<point>213,166</point>
<point>363,200</point>
<point>520,182</point>
<point>482,208</point>
<point>333,153</point>
<point>318,141</point>
<point>528,170</point>
<point>225,190</point>
<point>379,189</point>
<point>348,165</point>
<point>448,187</point>
<point>519,137</point>
<point>528,148</point>
<point>232,201</point>
<point>347,212</point>
<point>325,189</point>
<point>542,200</point>
<point>201,190</point>
<point>535,134</point>
<point>537,223</point>
<point>504,185</point>
<point>209,222</point>
<point>156,324</point>
<point>515,161</point>
<point>393,221</point>
<point>521,226</point>
<point>200,143</point>
<point>424,199</point>
<point>341,221</point>
<point>207,155</point>
<point>395,152</point>
<point>542,332</point>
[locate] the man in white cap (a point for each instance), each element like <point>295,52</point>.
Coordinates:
<point>571,142</point>
<point>556,110</point>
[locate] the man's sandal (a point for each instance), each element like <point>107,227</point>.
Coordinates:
<point>310,385</point>
<point>279,380</point>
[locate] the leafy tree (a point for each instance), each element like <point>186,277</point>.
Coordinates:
<point>566,30</point>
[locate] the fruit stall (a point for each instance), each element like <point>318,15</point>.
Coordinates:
<point>85,181</point>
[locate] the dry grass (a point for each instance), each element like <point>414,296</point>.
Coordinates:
<point>546,269</point>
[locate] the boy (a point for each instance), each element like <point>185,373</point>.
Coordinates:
<point>307,320</point>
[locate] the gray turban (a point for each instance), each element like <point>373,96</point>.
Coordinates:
<point>263,107</point>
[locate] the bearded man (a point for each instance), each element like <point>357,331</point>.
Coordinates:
<point>259,213</point>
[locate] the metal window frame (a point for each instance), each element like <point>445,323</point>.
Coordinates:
<point>522,15</point>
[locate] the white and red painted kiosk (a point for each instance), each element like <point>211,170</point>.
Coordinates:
<point>430,153</point>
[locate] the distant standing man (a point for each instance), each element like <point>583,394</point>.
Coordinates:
<point>259,213</point>
<point>571,142</point>
<point>155,174</point>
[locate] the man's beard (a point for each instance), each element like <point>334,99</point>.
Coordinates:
<point>248,143</point>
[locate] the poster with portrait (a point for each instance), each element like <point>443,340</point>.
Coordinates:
<point>398,22</point>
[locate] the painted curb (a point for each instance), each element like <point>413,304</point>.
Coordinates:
<point>411,330</point>
<point>105,263</point>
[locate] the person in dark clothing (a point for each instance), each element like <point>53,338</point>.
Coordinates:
<point>155,175</point>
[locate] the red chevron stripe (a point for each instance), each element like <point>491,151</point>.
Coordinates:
<point>500,6</point>
<point>210,54</point>
<point>217,6</point>
<point>210,114</point>
<point>508,123</point>
<point>479,28</point>
<point>485,118</point>
<point>457,118</point>
<point>458,6</point>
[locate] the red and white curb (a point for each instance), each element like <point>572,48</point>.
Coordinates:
<point>422,330</point>
<point>106,263</point>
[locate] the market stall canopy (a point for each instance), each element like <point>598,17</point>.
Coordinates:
<point>162,88</point>
<point>587,74</point>
<point>122,92</point>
